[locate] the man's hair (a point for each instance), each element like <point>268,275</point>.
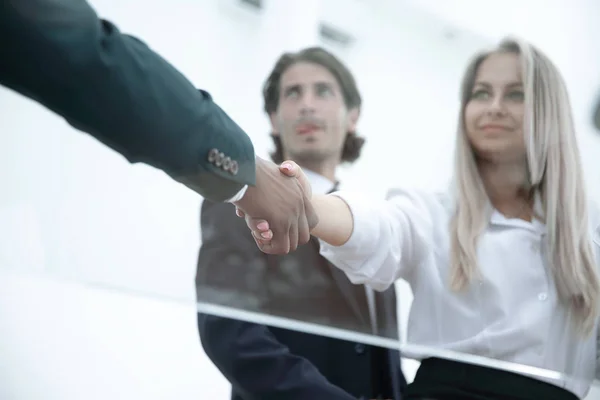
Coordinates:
<point>315,55</point>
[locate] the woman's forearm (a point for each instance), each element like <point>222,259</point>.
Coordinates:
<point>335,219</point>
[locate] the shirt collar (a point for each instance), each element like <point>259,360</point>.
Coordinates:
<point>320,184</point>
<point>498,218</point>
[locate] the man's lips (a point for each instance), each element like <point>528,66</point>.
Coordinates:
<point>306,129</point>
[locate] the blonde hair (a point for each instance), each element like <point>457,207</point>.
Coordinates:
<point>554,172</point>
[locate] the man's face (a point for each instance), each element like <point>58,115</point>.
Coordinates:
<point>312,119</point>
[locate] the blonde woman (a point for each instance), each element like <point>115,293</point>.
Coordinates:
<point>505,264</point>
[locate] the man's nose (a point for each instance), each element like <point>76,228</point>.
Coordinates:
<point>308,103</point>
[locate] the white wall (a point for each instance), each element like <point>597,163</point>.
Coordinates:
<point>77,212</point>
<point>566,30</point>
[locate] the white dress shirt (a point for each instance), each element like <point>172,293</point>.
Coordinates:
<point>322,185</point>
<point>511,313</point>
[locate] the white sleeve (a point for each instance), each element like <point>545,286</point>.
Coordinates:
<point>595,229</point>
<point>390,237</point>
<point>598,355</point>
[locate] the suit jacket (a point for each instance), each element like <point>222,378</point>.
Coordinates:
<point>263,362</point>
<point>112,86</point>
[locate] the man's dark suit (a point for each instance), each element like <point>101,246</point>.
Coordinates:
<point>112,86</point>
<point>264,362</point>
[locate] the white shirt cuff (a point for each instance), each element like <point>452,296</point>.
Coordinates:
<point>238,196</point>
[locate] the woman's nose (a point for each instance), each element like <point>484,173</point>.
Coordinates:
<point>496,107</point>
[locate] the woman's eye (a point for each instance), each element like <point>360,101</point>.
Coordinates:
<point>480,95</point>
<point>516,95</point>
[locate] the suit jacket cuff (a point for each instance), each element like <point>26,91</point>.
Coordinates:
<point>238,196</point>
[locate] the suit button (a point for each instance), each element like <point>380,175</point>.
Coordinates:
<point>359,348</point>
<point>234,167</point>
<point>227,163</point>
<point>212,155</point>
<point>219,160</point>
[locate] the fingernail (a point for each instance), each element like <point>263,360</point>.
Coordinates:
<point>287,166</point>
<point>263,226</point>
<point>265,235</point>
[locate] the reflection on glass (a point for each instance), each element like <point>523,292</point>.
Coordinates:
<point>527,301</point>
<point>502,267</point>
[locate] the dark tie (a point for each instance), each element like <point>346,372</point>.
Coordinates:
<point>335,187</point>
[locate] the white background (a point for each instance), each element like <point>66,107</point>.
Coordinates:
<point>74,212</point>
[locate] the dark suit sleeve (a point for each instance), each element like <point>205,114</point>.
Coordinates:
<point>112,86</point>
<point>247,354</point>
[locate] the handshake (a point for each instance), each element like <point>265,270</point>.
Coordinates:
<point>278,208</point>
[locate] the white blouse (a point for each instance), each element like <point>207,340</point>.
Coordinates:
<point>512,313</point>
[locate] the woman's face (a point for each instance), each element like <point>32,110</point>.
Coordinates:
<point>495,111</point>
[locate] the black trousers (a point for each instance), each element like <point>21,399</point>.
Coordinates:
<point>439,379</point>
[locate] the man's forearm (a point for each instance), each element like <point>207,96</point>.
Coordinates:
<point>114,87</point>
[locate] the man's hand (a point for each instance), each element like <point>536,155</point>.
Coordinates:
<point>283,204</point>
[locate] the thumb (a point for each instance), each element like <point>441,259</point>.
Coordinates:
<point>290,168</point>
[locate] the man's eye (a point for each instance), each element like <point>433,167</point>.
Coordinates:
<point>324,91</point>
<point>291,93</point>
